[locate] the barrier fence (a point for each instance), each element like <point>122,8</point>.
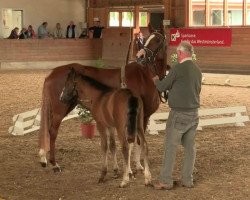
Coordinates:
<point>27,122</point>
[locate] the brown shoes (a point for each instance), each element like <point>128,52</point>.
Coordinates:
<point>162,186</point>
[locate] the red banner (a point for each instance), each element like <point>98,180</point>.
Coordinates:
<point>202,36</point>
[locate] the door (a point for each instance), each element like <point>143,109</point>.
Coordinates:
<point>11,19</point>
<point>156,19</point>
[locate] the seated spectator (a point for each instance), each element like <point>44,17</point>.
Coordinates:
<point>30,33</point>
<point>58,31</point>
<point>84,30</point>
<point>22,34</point>
<point>71,30</point>
<point>14,33</point>
<point>96,29</point>
<point>84,33</point>
<point>42,31</point>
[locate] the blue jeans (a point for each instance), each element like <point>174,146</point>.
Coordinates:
<point>181,129</point>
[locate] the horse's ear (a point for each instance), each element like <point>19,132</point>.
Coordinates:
<point>72,70</point>
<point>150,28</point>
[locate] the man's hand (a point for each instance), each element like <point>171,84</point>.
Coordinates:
<point>155,78</point>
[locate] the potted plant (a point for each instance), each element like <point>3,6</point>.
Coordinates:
<point>87,122</point>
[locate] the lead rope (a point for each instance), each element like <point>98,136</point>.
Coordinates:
<point>123,80</point>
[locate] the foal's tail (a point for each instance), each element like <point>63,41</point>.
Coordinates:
<point>133,105</point>
<point>44,136</point>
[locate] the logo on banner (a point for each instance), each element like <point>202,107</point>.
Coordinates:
<point>176,35</point>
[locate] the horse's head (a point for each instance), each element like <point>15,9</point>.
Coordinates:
<point>69,92</point>
<point>152,47</point>
<point>153,52</point>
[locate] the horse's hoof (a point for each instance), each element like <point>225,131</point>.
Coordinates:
<point>123,185</point>
<point>43,164</point>
<point>57,169</point>
<point>195,170</point>
<point>101,180</point>
<point>131,175</point>
<point>116,174</point>
<point>149,184</point>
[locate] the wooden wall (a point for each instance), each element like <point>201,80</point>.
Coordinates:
<point>234,59</point>
<point>49,50</point>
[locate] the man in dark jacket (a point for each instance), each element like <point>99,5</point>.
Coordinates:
<point>71,30</point>
<point>184,85</point>
<point>96,29</point>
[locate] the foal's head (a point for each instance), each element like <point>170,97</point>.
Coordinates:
<point>78,86</point>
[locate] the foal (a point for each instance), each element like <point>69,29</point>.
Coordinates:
<point>111,108</point>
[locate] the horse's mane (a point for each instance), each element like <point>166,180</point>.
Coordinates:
<point>96,84</point>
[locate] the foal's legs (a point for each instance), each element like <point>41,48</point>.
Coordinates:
<point>138,147</point>
<point>144,146</point>
<point>137,156</point>
<point>104,145</point>
<point>126,159</point>
<point>112,147</point>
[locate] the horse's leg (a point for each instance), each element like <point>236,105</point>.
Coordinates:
<point>145,123</point>
<point>104,145</point>
<point>112,147</point>
<point>125,152</point>
<point>43,159</point>
<point>53,135</point>
<point>144,147</point>
<point>131,174</point>
<point>137,156</point>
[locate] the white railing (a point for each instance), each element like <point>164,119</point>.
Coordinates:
<point>27,122</point>
<point>208,117</point>
<point>30,121</point>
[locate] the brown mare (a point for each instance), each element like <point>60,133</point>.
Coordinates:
<point>138,78</point>
<point>111,108</point>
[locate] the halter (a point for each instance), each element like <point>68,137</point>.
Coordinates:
<point>151,55</point>
<point>150,58</point>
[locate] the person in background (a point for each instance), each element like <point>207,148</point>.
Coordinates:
<point>84,30</point>
<point>42,31</point>
<point>71,30</point>
<point>184,85</point>
<point>58,31</point>
<point>14,33</point>
<point>30,33</point>
<point>139,41</point>
<point>22,34</point>
<point>96,29</point>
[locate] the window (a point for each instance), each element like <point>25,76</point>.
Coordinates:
<point>217,18</point>
<point>215,15</point>
<point>235,17</point>
<point>11,19</point>
<point>248,12</point>
<point>114,19</point>
<point>143,19</point>
<point>199,18</point>
<point>127,19</point>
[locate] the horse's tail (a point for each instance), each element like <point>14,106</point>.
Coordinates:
<point>133,105</point>
<point>44,136</point>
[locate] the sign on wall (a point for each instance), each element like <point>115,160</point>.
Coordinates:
<point>202,36</point>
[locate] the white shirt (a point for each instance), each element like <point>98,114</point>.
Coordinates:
<point>185,59</point>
